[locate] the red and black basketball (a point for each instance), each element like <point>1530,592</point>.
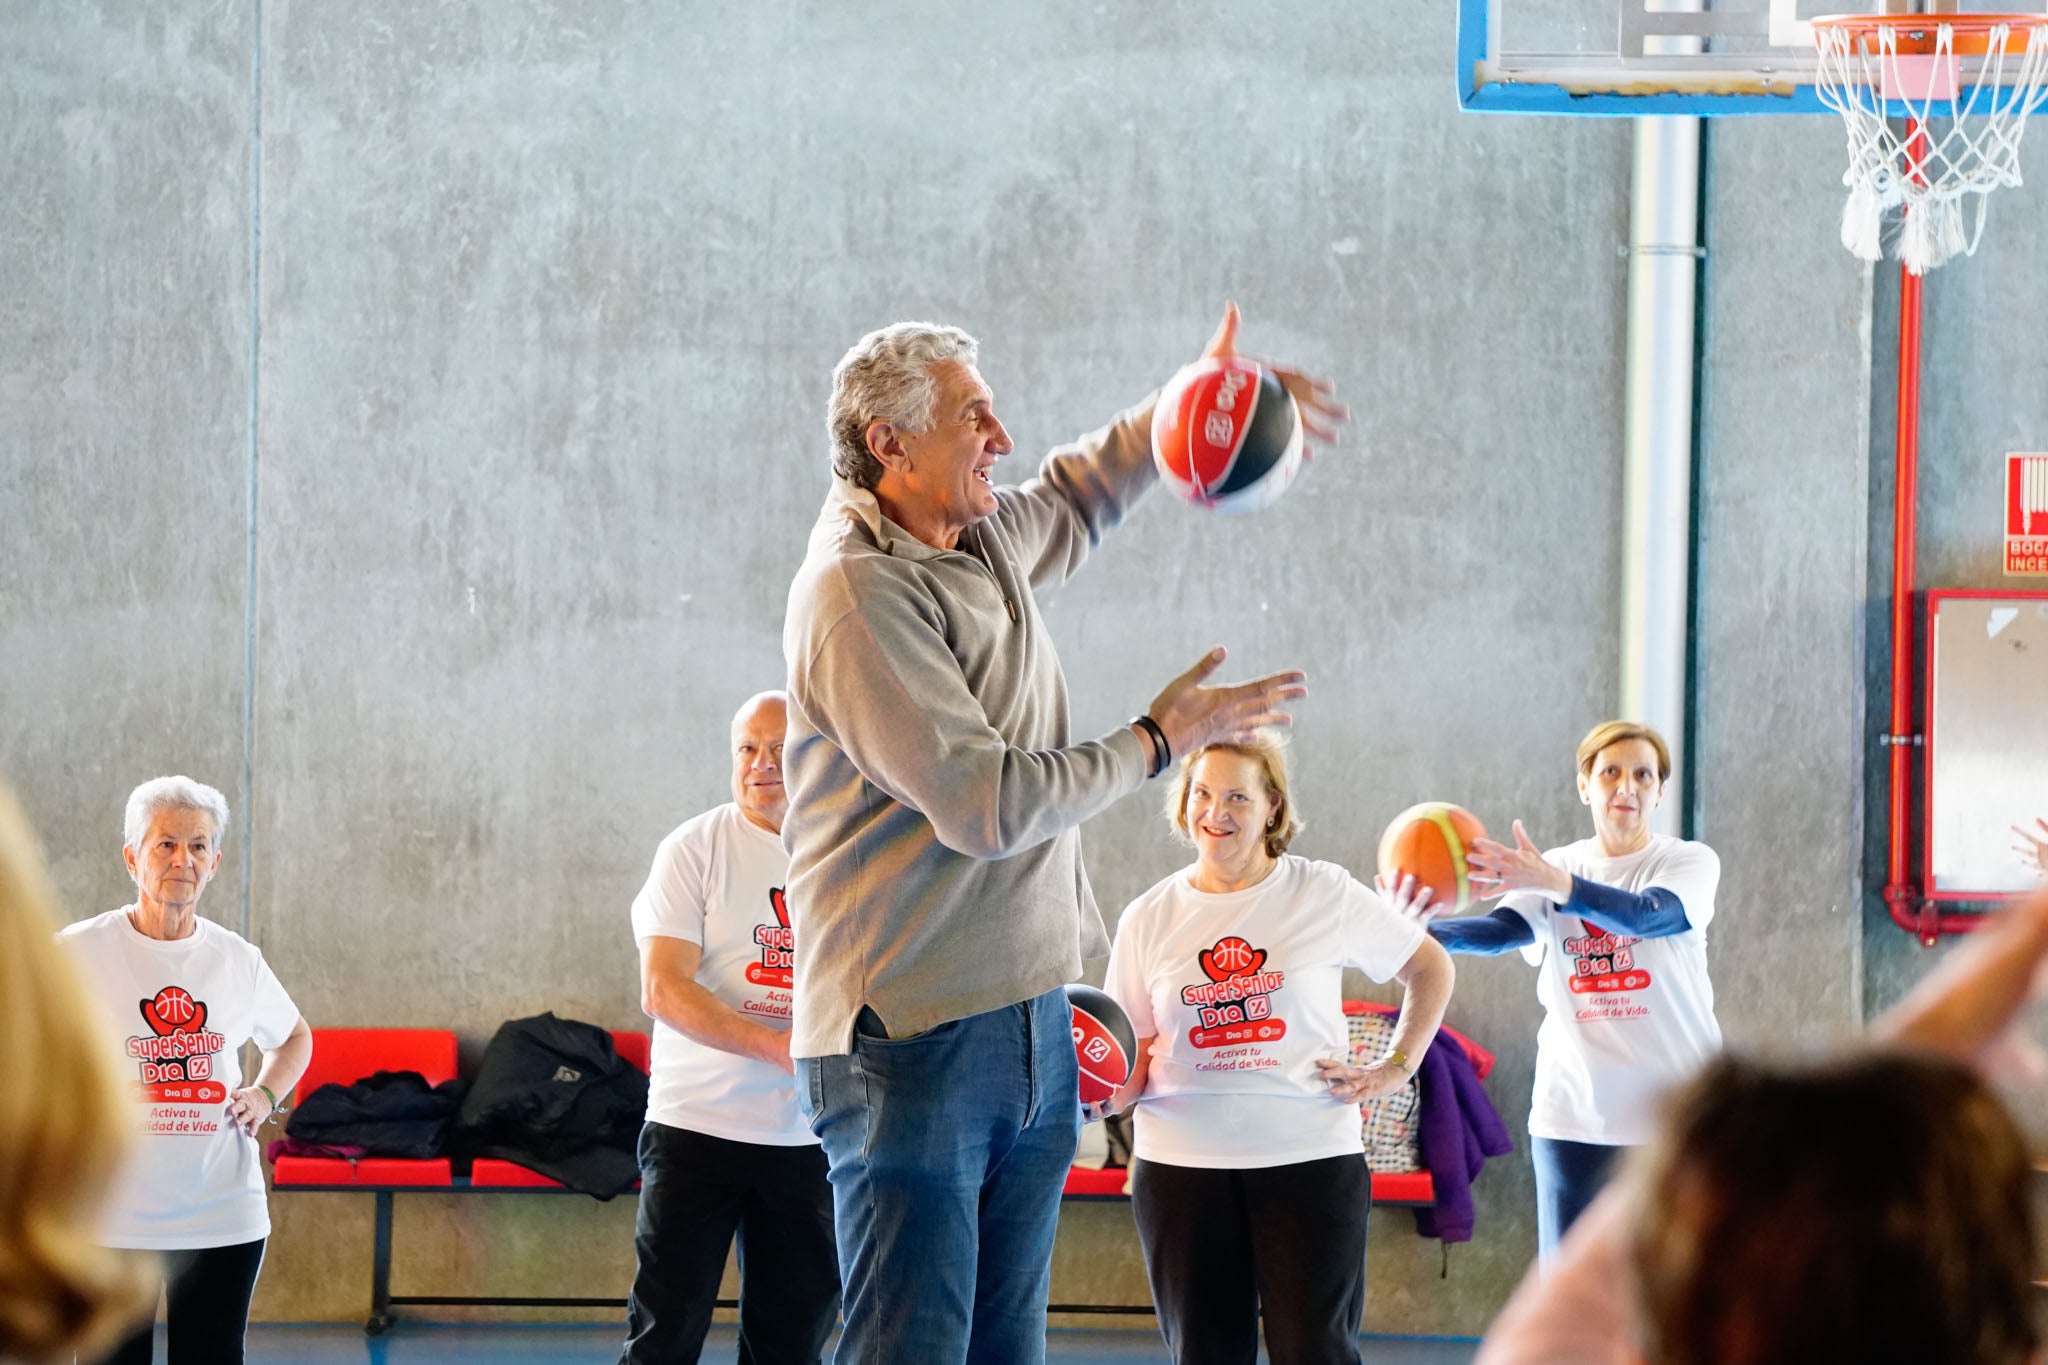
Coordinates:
<point>1226,435</point>
<point>1104,1044</point>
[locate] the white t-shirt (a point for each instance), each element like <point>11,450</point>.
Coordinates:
<point>717,882</point>
<point>182,1009</point>
<point>1623,1018</point>
<point>1243,991</point>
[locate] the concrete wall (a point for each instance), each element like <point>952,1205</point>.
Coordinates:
<point>495,341</point>
<point>124,416</point>
<point>1785,332</point>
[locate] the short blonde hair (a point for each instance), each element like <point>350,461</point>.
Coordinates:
<point>1271,752</point>
<point>64,1124</point>
<point>1619,732</point>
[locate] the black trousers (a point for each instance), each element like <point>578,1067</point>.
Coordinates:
<point>696,1193</point>
<point>206,1307</point>
<point>1220,1245</point>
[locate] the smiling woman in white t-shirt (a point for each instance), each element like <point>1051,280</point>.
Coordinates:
<point>1617,925</point>
<point>1249,1180</point>
<point>185,995</point>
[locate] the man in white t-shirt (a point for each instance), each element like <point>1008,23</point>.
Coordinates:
<point>725,1151</point>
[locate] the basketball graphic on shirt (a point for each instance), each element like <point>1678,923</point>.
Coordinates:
<point>177,1062</point>
<point>1234,1006</point>
<point>1231,957</point>
<point>173,1010</point>
<point>780,905</point>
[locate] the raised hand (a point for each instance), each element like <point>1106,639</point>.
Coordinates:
<point>1191,715</point>
<point>1410,900</point>
<point>1497,869</point>
<point>2032,847</point>
<point>1316,399</point>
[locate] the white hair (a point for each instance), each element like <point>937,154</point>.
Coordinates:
<point>171,793</point>
<point>887,377</point>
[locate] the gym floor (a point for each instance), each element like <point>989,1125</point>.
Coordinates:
<point>411,1343</point>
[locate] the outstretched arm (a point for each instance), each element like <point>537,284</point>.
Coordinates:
<point>1085,489</point>
<point>1478,936</point>
<point>1964,1007</point>
<point>1503,931</point>
<point>1655,913</point>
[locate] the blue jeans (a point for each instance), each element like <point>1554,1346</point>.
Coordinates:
<point>948,1152</point>
<point>1568,1176</point>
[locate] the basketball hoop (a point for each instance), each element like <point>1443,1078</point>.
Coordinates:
<point>1982,74</point>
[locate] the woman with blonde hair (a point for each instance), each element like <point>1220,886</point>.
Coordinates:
<point>1617,926</point>
<point>63,1128</point>
<point>1249,1181</point>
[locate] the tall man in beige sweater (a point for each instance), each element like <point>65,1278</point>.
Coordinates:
<point>936,797</point>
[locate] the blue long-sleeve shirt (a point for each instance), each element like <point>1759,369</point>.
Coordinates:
<point>1655,913</point>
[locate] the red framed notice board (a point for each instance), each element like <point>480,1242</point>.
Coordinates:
<point>1987,739</point>
<point>2026,514</point>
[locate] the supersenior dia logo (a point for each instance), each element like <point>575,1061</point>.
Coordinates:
<point>1235,1004</point>
<point>777,943</point>
<point>179,1049</point>
<point>1603,963</point>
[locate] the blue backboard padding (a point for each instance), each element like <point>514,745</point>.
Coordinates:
<point>1551,99</point>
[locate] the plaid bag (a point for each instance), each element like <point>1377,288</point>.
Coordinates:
<point>1390,1120</point>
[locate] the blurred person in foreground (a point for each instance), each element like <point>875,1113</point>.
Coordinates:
<point>1872,1208</point>
<point>63,1129</point>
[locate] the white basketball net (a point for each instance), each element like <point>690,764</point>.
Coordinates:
<point>1861,70</point>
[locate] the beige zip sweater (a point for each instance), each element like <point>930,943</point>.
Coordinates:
<point>935,794</point>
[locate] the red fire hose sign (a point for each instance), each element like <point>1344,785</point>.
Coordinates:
<point>2026,514</point>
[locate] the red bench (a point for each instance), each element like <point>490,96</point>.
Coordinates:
<point>344,1055</point>
<point>349,1054</point>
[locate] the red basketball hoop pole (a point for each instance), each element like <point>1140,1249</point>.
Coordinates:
<point>1899,894</point>
<point>1911,911</point>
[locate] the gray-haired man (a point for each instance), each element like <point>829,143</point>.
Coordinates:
<point>936,794</point>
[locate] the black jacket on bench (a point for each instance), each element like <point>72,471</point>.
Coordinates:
<point>390,1114</point>
<point>554,1095</point>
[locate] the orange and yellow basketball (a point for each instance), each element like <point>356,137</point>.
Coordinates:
<point>1429,842</point>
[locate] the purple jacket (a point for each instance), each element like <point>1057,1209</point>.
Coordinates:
<point>1458,1129</point>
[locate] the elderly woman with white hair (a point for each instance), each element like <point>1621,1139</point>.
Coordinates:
<point>186,995</point>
